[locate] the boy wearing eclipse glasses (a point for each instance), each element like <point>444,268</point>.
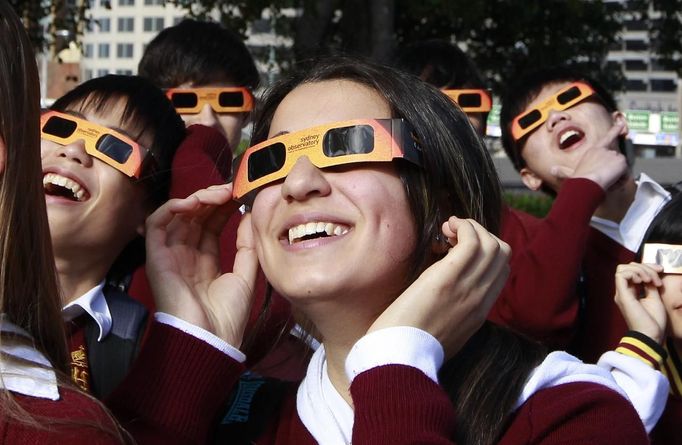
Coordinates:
<point>106,153</point>
<point>565,136</point>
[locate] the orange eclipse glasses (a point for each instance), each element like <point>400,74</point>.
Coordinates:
<point>222,100</point>
<point>472,100</point>
<point>532,118</point>
<point>105,144</point>
<point>339,143</point>
<point>667,255</point>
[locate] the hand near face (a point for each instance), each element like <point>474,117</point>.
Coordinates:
<point>600,164</point>
<point>183,263</point>
<point>453,296</point>
<point>645,314</point>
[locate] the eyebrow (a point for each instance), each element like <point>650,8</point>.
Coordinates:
<point>280,134</point>
<point>117,129</point>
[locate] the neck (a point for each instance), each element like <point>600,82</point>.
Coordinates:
<point>617,201</point>
<point>339,334</point>
<point>78,277</point>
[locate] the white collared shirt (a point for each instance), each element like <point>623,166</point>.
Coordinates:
<point>649,199</point>
<point>94,304</point>
<point>34,375</point>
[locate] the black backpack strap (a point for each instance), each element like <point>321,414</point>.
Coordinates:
<point>255,401</point>
<point>111,358</point>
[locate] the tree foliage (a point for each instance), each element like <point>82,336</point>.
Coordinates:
<point>504,37</point>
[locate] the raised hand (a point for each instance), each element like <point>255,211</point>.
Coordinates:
<point>183,263</point>
<point>601,163</point>
<point>453,296</point>
<point>643,314</point>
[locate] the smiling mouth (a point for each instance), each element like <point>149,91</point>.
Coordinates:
<point>313,230</point>
<point>58,185</point>
<point>569,138</point>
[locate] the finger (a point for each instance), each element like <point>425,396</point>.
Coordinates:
<point>246,259</point>
<point>157,223</point>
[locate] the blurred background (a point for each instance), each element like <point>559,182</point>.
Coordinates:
<point>633,47</point>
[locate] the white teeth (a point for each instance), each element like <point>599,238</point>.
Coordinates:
<point>567,135</point>
<point>75,188</point>
<point>312,228</point>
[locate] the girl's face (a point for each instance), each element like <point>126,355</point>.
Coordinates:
<point>672,300</point>
<point>92,207</point>
<point>364,207</point>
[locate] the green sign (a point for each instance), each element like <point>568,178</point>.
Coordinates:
<point>670,122</point>
<point>494,115</point>
<point>638,120</point>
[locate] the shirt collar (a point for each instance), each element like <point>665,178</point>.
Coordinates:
<point>648,200</point>
<point>31,375</point>
<point>94,304</point>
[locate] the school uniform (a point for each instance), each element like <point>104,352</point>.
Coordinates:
<point>396,399</point>
<point>561,286</point>
<point>665,359</point>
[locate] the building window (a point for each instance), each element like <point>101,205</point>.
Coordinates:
<point>88,51</point>
<point>635,85</point>
<point>154,2</point>
<point>124,50</point>
<point>126,2</point>
<point>104,24</point>
<point>635,25</point>
<point>663,85</point>
<point>177,20</point>
<point>103,50</point>
<point>125,72</point>
<point>636,65</point>
<point>636,45</point>
<point>87,75</point>
<point>153,24</point>
<point>126,24</point>
<point>102,72</point>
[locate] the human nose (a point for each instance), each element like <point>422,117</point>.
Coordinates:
<point>304,181</point>
<point>74,151</point>
<point>206,116</point>
<point>555,117</point>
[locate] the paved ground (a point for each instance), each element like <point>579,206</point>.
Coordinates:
<point>664,170</point>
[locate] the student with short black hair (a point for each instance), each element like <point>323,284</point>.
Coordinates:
<point>107,149</point>
<point>564,134</point>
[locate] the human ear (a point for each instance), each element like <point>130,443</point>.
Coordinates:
<point>530,179</point>
<point>619,117</point>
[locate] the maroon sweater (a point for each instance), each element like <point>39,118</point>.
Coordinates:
<point>171,396</point>
<point>541,298</point>
<point>400,405</point>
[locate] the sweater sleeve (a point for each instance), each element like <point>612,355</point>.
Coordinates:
<point>175,388</point>
<point>397,404</point>
<point>540,298</point>
<point>576,413</point>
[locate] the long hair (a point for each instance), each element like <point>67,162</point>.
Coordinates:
<point>457,178</point>
<point>29,293</point>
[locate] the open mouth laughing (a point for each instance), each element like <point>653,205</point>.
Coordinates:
<point>61,186</point>
<point>313,230</point>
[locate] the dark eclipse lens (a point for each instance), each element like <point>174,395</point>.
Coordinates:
<point>529,119</point>
<point>231,99</point>
<point>357,139</point>
<point>469,100</point>
<point>114,148</point>
<point>266,160</point>
<point>184,100</point>
<point>568,95</point>
<point>60,127</point>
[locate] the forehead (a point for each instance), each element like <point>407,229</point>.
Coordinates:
<point>110,113</point>
<point>546,91</point>
<point>327,101</point>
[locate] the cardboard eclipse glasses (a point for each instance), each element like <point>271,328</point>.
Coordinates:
<point>667,255</point>
<point>222,100</point>
<point>532,118</point>
<point>105,144</point>
<point>339,143</point>
<point>472,100</point>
